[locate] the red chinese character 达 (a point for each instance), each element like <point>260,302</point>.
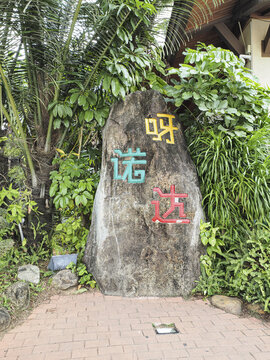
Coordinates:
<point>174,204</point>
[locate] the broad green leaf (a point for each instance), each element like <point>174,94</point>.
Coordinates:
<point>223,104</point>
<point>60,110</point>
<point>107,82</point>
<point>115,85</point>
<point>57,123</point>
<point>51,105</point>
<point>53,189</point>
<point>68,111</point>
<point>77,200</point>
<point>124,71</point>
<point>55,110</point>
<point>66,123</point>
<point>82,100</point>
<point>186,95</point>
<point>84,200</point>
<point>81,116</point>
<point>178,102</point>
<point>74,97</point>
<point>202,106</point>
<point>89,114</point>
<point>92,98</point>
<point>240,133</point>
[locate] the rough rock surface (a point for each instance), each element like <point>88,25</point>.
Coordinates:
<point>64,279</point>
<point>5,245</point>
<point>126,251</point>
<point>255,309</point>
<point>29,273</point>
<point>229,304</point>
<point>4,319</point>
<point>19,294</point>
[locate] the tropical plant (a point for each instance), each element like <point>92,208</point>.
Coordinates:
<point>241,267</point>
<point>73,188</point>
<point>225,113</point>
<point>14,205</point>
<point>62,65</point>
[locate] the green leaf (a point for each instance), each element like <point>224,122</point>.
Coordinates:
<point>179,102</point>
<point>186,95</point>
<point>212,241</point>
<point>66,123</point>
<point>55,110</point>
<point>51,105</point>
<point>221,128</point>
<point>196,96</point>
<point>89,114</point>
<point>202,106</point>
<point>92,283</point>
<point>82,100</point>
<point>56,123</point>
<point>124,71</point>
<point>74,97</point>
<point>83,200</point>
<point>115,85</point>
<point>100,120</point>
<point>88,195</point>
<point>92,98</point>
<point>63,189</point>
<point>223,104</point>
<point>60,110</point>
<point>107,82</point>
<point>240,133</point>
<point>53,189</point>
<point>122,92</point>
<point>68,111</point>
<point>78,200</point>
<point>82,116</point>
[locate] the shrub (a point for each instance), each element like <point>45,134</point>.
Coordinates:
<point>224,112</point>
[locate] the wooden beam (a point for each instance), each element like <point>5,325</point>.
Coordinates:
<point>266,12</point>
<point>230,39</point>
<point>266,43</point>
<point>260,17</point>
<point>245,8</point>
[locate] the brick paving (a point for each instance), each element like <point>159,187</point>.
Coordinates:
<point>91,326</point>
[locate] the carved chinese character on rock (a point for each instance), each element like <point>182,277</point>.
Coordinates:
<point>174,200</point>
<point>128,173</point>
<point>167,129</point>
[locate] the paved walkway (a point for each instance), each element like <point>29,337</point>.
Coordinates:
<point>92,326</point>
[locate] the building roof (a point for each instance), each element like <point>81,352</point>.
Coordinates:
<point>223,25</point>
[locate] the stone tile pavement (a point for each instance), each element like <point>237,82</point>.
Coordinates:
<point>92,326</point>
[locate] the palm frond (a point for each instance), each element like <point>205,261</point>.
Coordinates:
<point>180,16</point>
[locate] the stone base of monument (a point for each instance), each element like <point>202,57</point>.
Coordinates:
<point>144,237</point>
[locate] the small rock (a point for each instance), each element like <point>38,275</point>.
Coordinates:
<point>64,279</point>
<point>4,319</point>
<point>5,245</point>
<point>255,309</point>
<point>19,294</point>
<point>29,273</point>
<point>229,304</point>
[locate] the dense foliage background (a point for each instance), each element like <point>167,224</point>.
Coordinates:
<point>62,65</point>
<point>225,113</point>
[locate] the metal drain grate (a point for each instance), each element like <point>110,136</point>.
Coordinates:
<point>163,329</point>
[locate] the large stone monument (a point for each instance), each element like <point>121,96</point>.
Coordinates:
<point>144,237</point>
